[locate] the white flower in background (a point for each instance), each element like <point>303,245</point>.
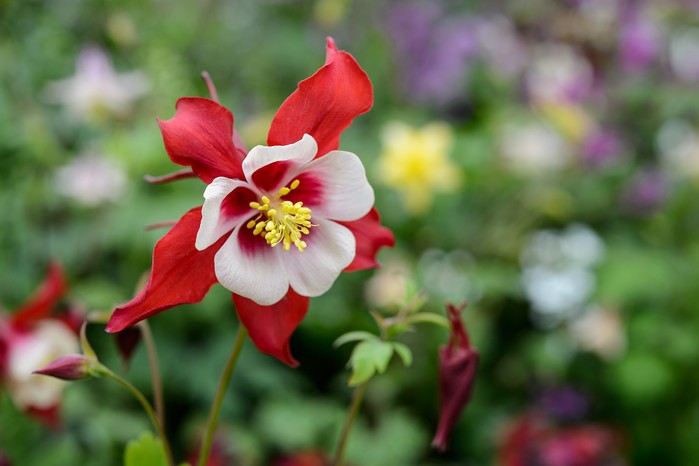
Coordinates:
<point>557,275</point>
<point>678,143</point>
<point>389,285</point>
<point>90,180</point>
<point>684,54</point>
<point>30,351</point>
<point>557,73</point>
<point>96,90</point>
<point>448,275</point>
<point>599,330</point>
<point>532,148</point>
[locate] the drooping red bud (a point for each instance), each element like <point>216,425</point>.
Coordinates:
<point>457,370</point>
<point>69,367</point>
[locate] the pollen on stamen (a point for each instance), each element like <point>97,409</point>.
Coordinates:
<point>286,229</point>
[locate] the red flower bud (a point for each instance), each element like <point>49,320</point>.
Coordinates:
<point>457,371</point>
<point>69,367</point>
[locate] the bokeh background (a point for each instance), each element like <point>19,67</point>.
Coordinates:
<point>539,159</point>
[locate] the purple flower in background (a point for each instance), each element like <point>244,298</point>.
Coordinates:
<point>646,192</point>
<point>601,148</point>
<point>639,37</point>
<point>564,403</point>
<point>431,49</point>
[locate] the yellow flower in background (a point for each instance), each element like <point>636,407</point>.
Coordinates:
<point>415,161</point>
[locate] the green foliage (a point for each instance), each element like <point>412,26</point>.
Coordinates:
<point>145,451</point>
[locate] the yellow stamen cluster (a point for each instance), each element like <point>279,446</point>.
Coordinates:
<point>285,221</point>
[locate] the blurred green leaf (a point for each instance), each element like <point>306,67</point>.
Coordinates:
<point>146,451</point>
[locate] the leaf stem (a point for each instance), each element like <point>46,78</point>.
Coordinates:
<point>146,406</point>
<point>220,392</point>
<point>357,397</point>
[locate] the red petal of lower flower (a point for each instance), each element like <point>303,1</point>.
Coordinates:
<point>51,416</point>
<point>324,104</point>
<point>42,303</point>
<point>270,327</point>
<point>370,236</point>
<point>200,135</point>
<point>180,274</point>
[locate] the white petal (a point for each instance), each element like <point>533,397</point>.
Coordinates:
<point>255,272</point>
<point>213,225</point>
<point>298,154</point>
<point>331,248</point>
<point>347,194</point>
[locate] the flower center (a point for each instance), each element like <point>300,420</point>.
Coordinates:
<point>281,221</point>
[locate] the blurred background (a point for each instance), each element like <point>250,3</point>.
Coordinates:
<point>539,159</point>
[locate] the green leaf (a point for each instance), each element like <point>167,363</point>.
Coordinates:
<point>404,352</point>
<point>353,336</point>
<point>146,451</point>
<point>429,318</point>
<point>369,357</point>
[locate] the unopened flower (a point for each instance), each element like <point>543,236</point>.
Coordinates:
<point>458,361</point>
<point>68,367</point>
<point>279,223</point>
<point>96,89</point>
<point>29,339</point>
<point>416,163</point>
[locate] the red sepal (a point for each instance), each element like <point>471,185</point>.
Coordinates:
<point>180,274</point>
<point>200,135</point>
<point>370,236</point>
<point>324,104</point>
<point>44,300</point>
<point>270,327</point>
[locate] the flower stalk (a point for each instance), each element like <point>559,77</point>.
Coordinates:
<point>208,439</point>
<point>357,398</point>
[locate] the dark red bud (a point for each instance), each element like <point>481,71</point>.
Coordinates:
<point>69,367</point>
<point>457,371</point>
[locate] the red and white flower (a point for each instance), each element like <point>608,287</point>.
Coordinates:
<point>29,339</point>
<point>280,222</point>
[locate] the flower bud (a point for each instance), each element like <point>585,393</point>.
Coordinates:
<point>457,371</point>
<point>69,367</point>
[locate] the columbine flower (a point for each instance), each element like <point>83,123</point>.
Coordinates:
<point>416,163</point>
<point>29,339</point>
<point>279,223</point>
<point>457,371</point>
<point>96,90</point>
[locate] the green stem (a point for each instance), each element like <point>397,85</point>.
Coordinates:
<point>146,406</point>
<point>154,370</point>
<point>220,392</point>
<point>357,397</point>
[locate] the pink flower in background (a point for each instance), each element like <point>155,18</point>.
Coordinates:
<point>29,339</point>
<point>639,36</point>
<point>280,222</point>
<point>96,89</point>
<point>534,440</point>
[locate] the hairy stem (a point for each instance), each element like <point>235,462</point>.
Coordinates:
<point>220,392</point>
